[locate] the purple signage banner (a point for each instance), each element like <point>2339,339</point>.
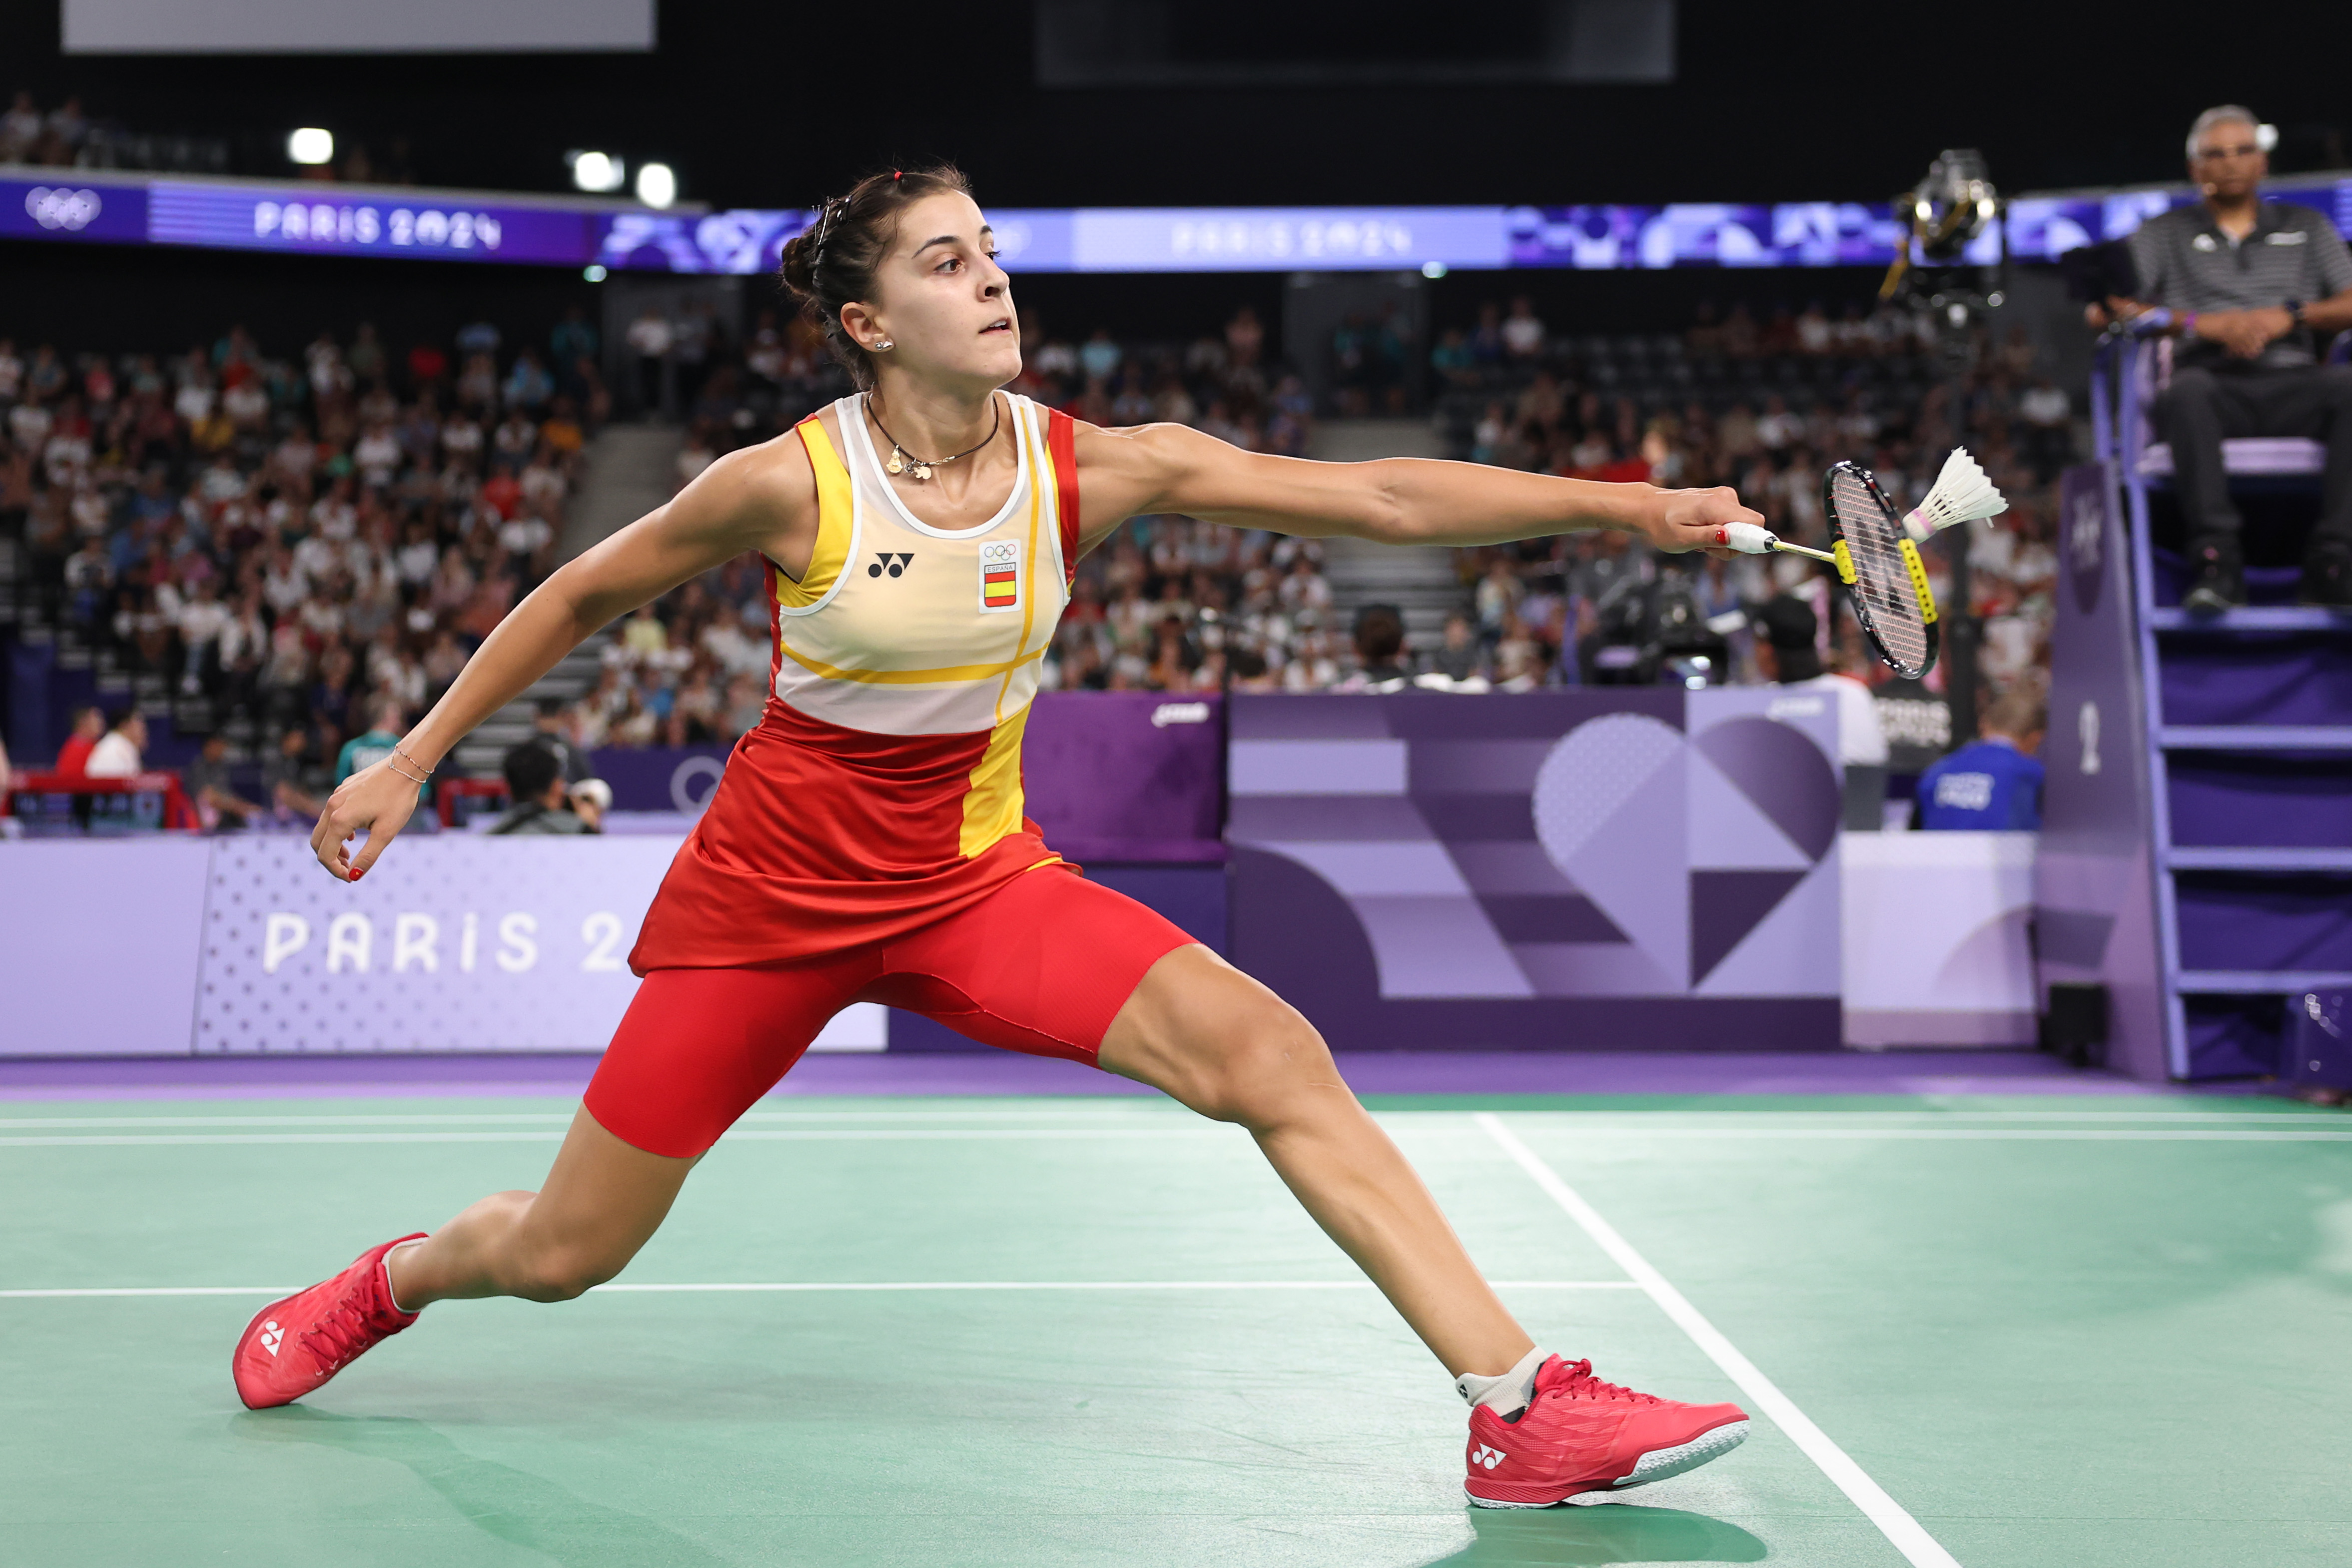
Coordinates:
<point>66,209</point>
<point>1604,869</point>
<point>327,219</point>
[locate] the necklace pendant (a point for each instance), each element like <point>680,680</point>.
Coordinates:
<point>922,470</point>
<point>896,464</point>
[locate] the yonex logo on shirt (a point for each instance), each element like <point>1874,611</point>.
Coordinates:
<point>894,564</point>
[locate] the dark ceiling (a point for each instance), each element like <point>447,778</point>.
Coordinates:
<point>771,104</point>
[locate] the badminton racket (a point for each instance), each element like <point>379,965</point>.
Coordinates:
<point>1886,581</point>
<point>1873,552</point>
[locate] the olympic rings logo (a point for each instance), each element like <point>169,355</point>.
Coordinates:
<point>58,208</point>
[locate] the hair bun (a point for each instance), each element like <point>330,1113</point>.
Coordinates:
<point>799,263</point>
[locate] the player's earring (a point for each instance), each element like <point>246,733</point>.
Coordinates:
<point>884,344</point>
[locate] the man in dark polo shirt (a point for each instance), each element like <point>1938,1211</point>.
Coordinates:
<point>2255,288</point>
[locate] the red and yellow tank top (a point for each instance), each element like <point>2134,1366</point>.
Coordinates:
<point>883,790</point>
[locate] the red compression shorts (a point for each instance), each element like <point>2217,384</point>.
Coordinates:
<point>1042,966</point>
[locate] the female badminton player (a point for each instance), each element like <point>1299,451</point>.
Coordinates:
<point>867,841</point>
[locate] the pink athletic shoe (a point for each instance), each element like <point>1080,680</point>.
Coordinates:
<point>294,1346</point>
<point>1581,1434</point>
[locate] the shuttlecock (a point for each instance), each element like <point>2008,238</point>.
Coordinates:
<point>1961,494</point>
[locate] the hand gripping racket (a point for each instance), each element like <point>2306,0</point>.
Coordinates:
<point>1886,581</point>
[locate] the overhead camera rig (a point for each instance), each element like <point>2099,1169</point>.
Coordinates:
<point>1948,211</point>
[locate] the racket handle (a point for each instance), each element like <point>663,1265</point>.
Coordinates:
<point>1748,538</point>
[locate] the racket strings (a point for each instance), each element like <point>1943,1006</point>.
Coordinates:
<point>1881,578</point>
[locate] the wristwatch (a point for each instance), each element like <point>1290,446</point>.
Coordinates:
<point>2295,313</point>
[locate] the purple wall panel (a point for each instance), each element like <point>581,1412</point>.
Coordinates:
<point>1560,869</point>
<point>1128,776</point>
<point>99,942</point>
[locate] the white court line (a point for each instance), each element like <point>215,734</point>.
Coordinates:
<point>542,1118</point>
<point>1997,1134</point>
<point>1905,1533</point>
<point>1190,1129</point>
<point>1759,1120</point>
<point>1206,1130</point>
<point>800,1286</point>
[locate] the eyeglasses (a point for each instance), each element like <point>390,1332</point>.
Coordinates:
<point>2215,154</point>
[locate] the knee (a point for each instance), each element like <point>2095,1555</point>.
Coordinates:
<point>1266,1067</point>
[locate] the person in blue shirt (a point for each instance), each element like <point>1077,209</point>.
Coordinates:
<point>1994,783</point>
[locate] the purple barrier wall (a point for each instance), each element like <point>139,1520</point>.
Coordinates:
<point>1601,869</point>
<point>1125,777</point>
<point>453,942</point>
<point>660,778</point>
<point>99,944</point>
<point>2094,894</point>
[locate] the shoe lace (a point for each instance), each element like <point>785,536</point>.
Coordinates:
<point>1575,1380</point>
<point>345,1331</point>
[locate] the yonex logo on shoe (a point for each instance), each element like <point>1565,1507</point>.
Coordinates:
<point>270,1334</point>
<point>1488,1457</point>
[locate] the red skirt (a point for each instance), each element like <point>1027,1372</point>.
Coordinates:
<point>821,838</point>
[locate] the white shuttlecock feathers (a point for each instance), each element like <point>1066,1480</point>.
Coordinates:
<point>1961,494</point>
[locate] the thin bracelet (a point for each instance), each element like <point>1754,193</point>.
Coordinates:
<point>395,767</point>
<point>411,760</point>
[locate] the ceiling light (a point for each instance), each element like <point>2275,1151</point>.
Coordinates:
<point>656,184</point>
<point>597,170</point>
<point>311,146</point>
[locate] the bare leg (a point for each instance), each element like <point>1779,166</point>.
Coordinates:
<point>1226,1046</point>
<point>602,1201</point>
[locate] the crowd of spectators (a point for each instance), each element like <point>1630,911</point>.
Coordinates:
<point>286,549</point>
<point>277,548</point>
<point>1765,406</point>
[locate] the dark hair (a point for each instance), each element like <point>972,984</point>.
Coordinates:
<point>832,262</point>
<point>1380,633</point>
<point>529,769</point>
<point>1788,623</point>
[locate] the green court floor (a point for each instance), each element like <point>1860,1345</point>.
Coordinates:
<point>2052,1331</point>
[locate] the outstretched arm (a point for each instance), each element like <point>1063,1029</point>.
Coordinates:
<point>763,497</point>
<point>1395,501</point>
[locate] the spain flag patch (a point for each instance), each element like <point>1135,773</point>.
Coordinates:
<point>1000,574</point>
